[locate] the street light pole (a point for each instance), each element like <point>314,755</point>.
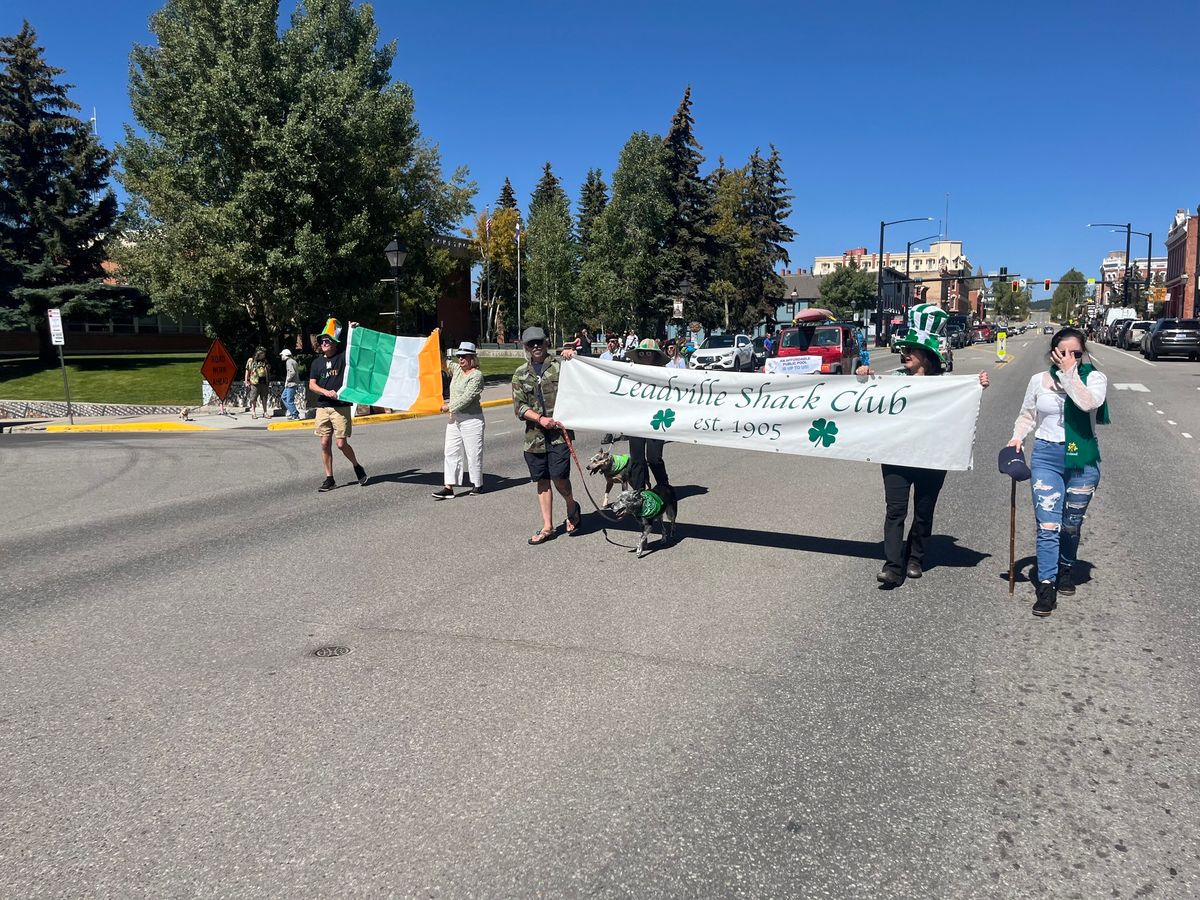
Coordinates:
<point>1128,226</point>
<point>396,253</point>
<point>880,338</point>
<point>907,259</point>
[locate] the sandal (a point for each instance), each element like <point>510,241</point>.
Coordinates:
<point>546,534</point>
<point>573,519</point>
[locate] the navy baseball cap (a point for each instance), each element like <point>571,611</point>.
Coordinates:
<point>1012,464</point>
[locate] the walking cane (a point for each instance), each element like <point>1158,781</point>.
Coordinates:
<point>1012,536</point>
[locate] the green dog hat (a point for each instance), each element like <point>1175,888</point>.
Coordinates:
<point>926,321</point>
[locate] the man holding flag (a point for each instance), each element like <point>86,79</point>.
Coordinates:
<point>334,419</point>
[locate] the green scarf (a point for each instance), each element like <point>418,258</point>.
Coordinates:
<point>1082,446</point>
<point>652,504</point>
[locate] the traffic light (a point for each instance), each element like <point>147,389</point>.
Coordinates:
<point>1047,284</point>
<point>1004,271</point>
<point>1016,286</point>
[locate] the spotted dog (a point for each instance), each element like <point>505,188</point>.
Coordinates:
<point>647,507</point>
<point>614,468</point>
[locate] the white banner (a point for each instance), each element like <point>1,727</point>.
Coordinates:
<point>793,365</point>
<point>924,422</point>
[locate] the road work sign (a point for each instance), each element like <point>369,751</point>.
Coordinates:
<point>219,369</point>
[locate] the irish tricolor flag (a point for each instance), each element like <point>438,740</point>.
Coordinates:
<point>401,373</point>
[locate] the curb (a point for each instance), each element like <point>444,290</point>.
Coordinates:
<point>306,424</point>
<point>303,424</point>
<point>129,426</point>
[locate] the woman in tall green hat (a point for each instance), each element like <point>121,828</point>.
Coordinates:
<point>920,355</point>
<point>1062,408</point>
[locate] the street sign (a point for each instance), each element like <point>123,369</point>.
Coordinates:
<point>677,310</point>
<point>219,369</point>
<point>1002,344</point>
<point>57,338</point>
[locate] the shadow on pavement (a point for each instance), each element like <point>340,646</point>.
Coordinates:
<point>1026,571</point>
<point>944,550</point>
<point>491,483</point>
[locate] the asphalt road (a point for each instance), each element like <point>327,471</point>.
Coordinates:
<point>742,714</point>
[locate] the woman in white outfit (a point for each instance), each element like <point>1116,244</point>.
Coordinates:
<point>464,431</point>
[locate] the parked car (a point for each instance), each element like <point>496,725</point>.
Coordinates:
<point>1048,329</point>
<point>957,336</point>
<point>1113,331</point>
<point>724,351</point>
<point>1130,337</point>
<point>1174,337</point>
<point>833,342</point>
<point>982,333</point>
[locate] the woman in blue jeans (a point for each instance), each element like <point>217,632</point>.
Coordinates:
<point>1062,407</point>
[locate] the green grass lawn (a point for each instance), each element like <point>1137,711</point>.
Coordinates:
<point>499,365</point>
<point>167,379</point>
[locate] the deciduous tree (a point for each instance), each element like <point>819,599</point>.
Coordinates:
<point>272,166</point>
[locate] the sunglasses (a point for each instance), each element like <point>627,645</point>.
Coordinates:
<point>325,341</point>
<point>535,344</point>
<point>1078,354</point>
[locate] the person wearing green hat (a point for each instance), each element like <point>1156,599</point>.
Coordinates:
<point>920,355</point>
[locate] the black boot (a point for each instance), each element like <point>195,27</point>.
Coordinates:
<point>1047,598</point>
<point>1066,583</point>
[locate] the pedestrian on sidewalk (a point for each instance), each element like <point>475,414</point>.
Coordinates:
<point>258,380</point>
<point>464,430</point>
<point>291,383</point>
<point>335,418</point>
<point>534,390</point>
<point>920,355</point>
<point>1062,407</point>
<point>613,348</point>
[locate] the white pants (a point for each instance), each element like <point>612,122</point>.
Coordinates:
<point>464,447</point>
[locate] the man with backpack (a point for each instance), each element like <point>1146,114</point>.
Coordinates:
<point>258,379</point>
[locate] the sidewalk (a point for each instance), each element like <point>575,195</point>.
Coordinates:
<point>208,419</point>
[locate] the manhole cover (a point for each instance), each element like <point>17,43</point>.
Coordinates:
<point>327,652</point>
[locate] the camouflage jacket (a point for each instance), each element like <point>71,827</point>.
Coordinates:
<point>530,392</point>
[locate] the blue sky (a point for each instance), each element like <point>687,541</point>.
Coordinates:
<point>1036,118</point>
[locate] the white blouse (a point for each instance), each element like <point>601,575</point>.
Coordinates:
<point>1042,408</point>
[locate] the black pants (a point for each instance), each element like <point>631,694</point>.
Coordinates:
<point>898,483</point>
<point>647,453</point>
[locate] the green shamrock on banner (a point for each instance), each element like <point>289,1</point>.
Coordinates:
<point>663,419</point>
<point>823,431</point>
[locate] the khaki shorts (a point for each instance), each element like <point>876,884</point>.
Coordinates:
<point>335,420</point>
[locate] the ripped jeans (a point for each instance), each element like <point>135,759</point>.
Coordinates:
<point>1060,501</point>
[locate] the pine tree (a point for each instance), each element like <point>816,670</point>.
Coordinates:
<point>547,190</point>
<point>688,241</point>
<point>593,197</point>
<point>770,206</point>
<point>271,209</point>
<point>56,209</point>
<point>625,259</point>
<point>507,198</point>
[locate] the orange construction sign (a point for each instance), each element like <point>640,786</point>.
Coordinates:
<point>219,369</point>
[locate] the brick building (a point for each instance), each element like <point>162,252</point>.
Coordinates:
<point>1183,276</point>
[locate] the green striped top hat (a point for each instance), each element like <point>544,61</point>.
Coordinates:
<point>926,321</point>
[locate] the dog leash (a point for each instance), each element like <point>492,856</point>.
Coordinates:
<point>583,480</point>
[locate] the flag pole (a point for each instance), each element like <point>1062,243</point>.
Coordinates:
<point>518,274</point>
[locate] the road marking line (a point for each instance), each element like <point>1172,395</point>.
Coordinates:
<point>1172,422</point>
<point>1159,411</point>
<point>1130,355</point>
<point>1132,386</point>
<point>1148,403</point>
<point>1186,435</point>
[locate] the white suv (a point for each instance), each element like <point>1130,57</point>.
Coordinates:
<point>725,351</point>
